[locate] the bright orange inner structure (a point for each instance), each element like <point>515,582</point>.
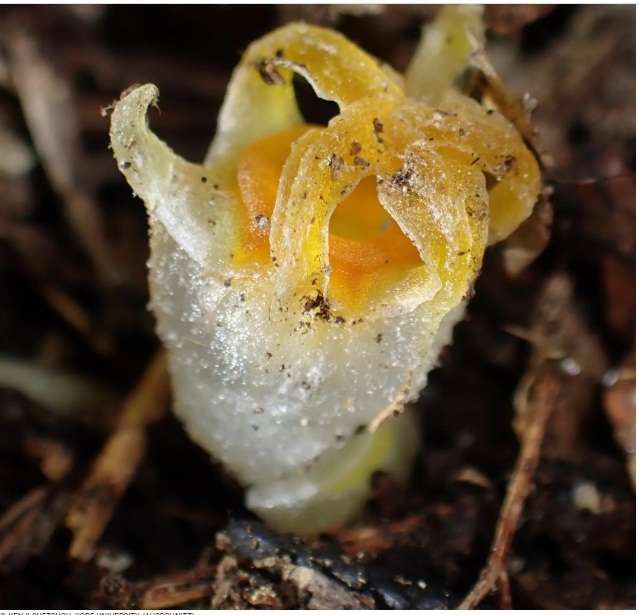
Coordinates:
<point>366,246</point>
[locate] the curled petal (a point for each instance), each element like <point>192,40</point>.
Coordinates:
<point>451,178</point>
<point>188,200</point>
<point>261,99</point>
<point>444,52</point>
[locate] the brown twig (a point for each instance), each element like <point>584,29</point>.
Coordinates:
<point>118,461</point>
<point>543,392</point>
<point>564,350</point>
<point>180,588</point>
<point>50,113</point>
<point>27,526</point>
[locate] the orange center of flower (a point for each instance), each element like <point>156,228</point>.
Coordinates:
<point>367,249</point>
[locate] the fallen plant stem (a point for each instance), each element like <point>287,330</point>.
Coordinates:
<point>27,525</point>
<point>180,588</point>
<point>50,114</point>
<point>543,392</point>
<point>117,463</point>
<point>557,334</point>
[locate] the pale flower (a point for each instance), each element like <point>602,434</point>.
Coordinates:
<point>305,278</point>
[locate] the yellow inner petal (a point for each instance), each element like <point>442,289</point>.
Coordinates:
<point>366,246</point>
